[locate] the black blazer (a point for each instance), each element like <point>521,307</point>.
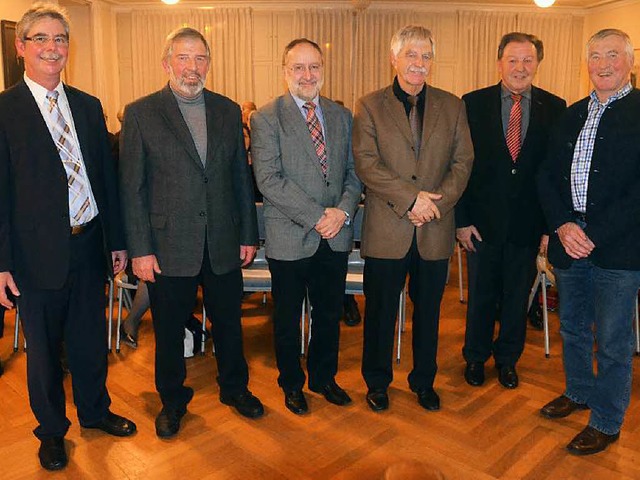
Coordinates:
<point>501,198</point>
<point>613,195</point>
<point>171,202</point>
<point>34,205</point>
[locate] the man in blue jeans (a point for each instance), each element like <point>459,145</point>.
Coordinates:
<point>590,192</point>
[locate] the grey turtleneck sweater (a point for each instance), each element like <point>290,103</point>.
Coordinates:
<point>194,114</point>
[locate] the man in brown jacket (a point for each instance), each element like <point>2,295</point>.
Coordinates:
<point>414,176</point>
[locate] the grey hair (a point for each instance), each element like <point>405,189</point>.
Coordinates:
<point>180,33</point>
<point>411,34</point>
<point>606,32</point>
<point>37,12</point>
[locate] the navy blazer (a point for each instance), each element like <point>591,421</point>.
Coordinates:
<point>34,205</point>
<point>501,198</point>
<point>613,195</point>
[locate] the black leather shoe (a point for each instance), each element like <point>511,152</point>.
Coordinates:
<point>334,394</point>
<point>474,373</point>
<point>590,441</point>
<point>377,399</point>
<point>351,313</point>
<point>295,401</point>
<point>128,340</point>
<point>507,376</point>
<point>428,399</point>
<point>245,403</point>
<point>561,407</point>
<point>168,421</point>
<point>52,454</point>
<point>115,425</point>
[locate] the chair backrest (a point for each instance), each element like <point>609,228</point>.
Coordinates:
<point>260,215</point>
<point>357,223</point>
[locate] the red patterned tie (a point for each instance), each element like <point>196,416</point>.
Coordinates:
<point>316,135</point>
<point>514,127</point>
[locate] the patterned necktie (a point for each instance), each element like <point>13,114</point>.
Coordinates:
<point>415,122</point>
<point>316,135</point>
<point>514,127</point>
<point>79,201</point>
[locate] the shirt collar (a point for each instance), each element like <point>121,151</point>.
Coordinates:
<point>624,91</point>
<point>403,96</point>
<point>300,102</point>
<point>40,93</point>
<point>506,93</point>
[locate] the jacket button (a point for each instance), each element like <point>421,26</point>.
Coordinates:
<point>206,179</point>
<point>328,184</point>
<point>413,177</point>
<point>514,171</point>
<point>202,214</point>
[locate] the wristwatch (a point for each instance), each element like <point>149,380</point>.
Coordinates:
<point>347,222</point>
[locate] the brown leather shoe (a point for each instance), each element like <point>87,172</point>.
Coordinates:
<point>561,407</point>
<point>590,441</point>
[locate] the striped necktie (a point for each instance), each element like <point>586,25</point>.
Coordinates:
<point>79,201</point>
<point>514,127</point>
<point>316,135</point>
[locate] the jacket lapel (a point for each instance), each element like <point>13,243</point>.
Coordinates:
<point>432,109</point>
<point>215,124</point>
<point>173,117</point>
<point>396,111</point>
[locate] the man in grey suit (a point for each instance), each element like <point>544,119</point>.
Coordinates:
<point>301,146</point>
<point>190,219</point>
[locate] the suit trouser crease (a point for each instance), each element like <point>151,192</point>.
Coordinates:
<point>384,279</point>
<point>500,279</point>
<point>323,275</point>
<point>172,303</point>
<point>75,315</point>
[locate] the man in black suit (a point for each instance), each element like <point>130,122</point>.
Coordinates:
<point>190,220</point>
<point>499,221</point>
<point>590,193</point>
<point>59,210</point>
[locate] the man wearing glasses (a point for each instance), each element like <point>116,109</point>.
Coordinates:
<point>59,229</point>
<point>301,146</point>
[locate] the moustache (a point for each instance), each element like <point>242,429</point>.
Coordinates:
<point>418,70</point>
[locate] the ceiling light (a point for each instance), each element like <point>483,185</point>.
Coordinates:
<point>544,3</point>
<point>170,2</point>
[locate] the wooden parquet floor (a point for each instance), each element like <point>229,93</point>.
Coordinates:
<point>480,433</point>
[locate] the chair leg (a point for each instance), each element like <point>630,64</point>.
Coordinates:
<point>401,321</point>
<point>303,315</point>
<point>204,329</point>
<point>110,315</point>
<point>16,331</point>
<point>120,297</point>
<point>637,325</point>
<point>534,289</point>
<point>460,284</point>
<point>545,313</point>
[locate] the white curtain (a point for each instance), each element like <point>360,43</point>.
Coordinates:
<point>228,32</point>
<point>333,31</point>
<point>561,35</point>
<point>479,34</point>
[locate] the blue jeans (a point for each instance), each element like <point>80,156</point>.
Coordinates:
<point>598,301</point>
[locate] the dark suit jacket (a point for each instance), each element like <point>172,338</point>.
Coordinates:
<point>290,177</point>
<point>613,196</point>
<point>501,199</point>
<point>386,163</point>
<point>34,205</point>
<point>171,203</point>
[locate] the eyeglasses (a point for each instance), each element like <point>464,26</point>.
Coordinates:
<point>42,40</point>
<point>299,69</point>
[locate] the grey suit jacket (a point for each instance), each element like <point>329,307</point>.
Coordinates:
<point>387,165</point>
<point>289,176</point>
<point>171,203</point>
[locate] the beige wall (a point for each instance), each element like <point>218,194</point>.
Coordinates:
<point>11,10</point>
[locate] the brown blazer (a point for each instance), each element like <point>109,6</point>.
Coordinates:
<point>386,164</point>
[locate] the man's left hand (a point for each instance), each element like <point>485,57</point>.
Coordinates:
<point>119,259</point>
<point>247,252</point>
<point>330,223</point>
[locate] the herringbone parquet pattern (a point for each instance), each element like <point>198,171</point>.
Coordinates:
<point>481,433</point>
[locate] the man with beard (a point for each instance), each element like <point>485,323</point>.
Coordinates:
<point>414,177</point>
<point>301,145</point>
<point>190,220</point>
<point>59,230</point>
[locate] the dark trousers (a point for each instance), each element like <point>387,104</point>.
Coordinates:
<point>172,300</point>
<point>323,276</point>
<point>498,275</point>
<point>74,314</point>
<point>384,279</point>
